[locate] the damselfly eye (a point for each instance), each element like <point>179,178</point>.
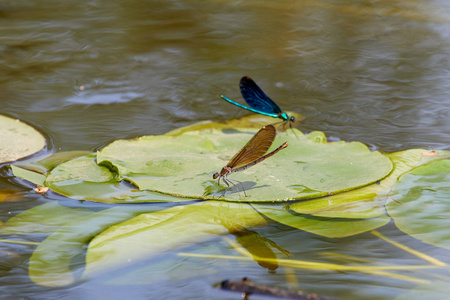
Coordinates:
<point>215,175</point>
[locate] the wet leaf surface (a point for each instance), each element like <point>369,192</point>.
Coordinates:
<point>18,140</point>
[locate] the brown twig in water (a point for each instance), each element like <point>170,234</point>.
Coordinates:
<point>247,287</point>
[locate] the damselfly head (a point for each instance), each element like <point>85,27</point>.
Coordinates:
<point>215,175</point>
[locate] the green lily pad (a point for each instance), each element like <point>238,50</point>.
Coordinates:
<point>183,165</point>
<point>252,121</point>
<point>81,178</point>
<point>18,140</point>
<point>369,201</point>
<point>35,171</point>
<point>31,176</point>
<point>82,168</point>
<point>96,183</point>
<point>44,165</point>
<point>422,204</point>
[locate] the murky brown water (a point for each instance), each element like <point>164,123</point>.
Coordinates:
<point>87,73</point>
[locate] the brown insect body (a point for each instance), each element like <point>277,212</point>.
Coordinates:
<point>251,154</point>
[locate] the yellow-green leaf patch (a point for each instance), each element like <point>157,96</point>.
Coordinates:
<point>183,165</point>
<point>81,178</point>
<point>18,140</point>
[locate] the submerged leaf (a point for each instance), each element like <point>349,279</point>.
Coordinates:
<point>328,227</point>
<point>45,218</point>
<point>422,204</point>
<point>259,247</point>
<point>437,289</point>
<point>151,234</point>
<point>8,195</point>
<point>52,262</point>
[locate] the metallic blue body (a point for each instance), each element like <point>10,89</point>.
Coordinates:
<point>258,101</point>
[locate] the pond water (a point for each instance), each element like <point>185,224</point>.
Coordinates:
<point>88,73</point>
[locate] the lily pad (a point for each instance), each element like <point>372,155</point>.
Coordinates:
<point>183,165</point>
<point>369,201</point>
<point>67,180</point>
<point>47,163</point>
<point>251,121</point>
<point>18,140</point>
<point>31,176</point>
<point>422,204</point>
<point>81,178</point>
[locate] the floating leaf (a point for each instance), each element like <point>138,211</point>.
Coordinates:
<point>18,139</point>
<point>43,165</point>
<point>48,163</point>
<point>251,121</point>
<point>368,201</point>
<point>161,170</point>
<point>80,169</point>
<point>33,177</point>
<point>81,178</point>
<point>422,204</point>
<point>183,165</point>
<point>34,171</point>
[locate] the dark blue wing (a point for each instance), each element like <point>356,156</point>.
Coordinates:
<point>256,98</point>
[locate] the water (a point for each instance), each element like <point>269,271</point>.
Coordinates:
<point>88,73</point>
